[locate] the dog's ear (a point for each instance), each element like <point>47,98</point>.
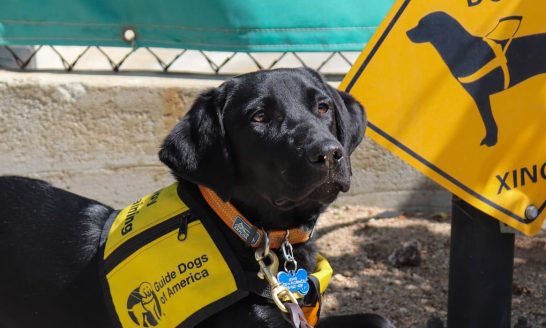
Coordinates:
<point>350,121</point>
<point>196,149</point>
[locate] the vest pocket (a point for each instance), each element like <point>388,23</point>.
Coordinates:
<point>147,236</point>
<point>156,280</point>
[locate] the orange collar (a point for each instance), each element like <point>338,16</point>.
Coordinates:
<point>245,230</point>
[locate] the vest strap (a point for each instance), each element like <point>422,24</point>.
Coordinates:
<point>498,61</point>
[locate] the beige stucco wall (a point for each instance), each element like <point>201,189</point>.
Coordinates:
<point>98,135</point>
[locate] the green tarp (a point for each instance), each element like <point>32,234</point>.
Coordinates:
<point>221,25</point>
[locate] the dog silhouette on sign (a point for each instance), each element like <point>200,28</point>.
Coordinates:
<point>484,65</point>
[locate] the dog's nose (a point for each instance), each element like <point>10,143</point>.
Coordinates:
<point>325,153</point>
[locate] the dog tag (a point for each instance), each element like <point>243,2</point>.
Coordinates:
<point>295,281</point>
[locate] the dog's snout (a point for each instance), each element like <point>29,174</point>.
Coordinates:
<point>413,34</point>
<point>325,153</point>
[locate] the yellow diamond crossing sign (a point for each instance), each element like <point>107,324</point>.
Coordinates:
<point>457,88</point>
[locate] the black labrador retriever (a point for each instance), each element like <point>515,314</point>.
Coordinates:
<point>483,65</point>
<point>276,143</point>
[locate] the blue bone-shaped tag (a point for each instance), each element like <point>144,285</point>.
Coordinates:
<point>294,282</point>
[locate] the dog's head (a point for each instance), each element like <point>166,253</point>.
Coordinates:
<point>145,290</point>
<point>432,25</point>
<point>281,137</point>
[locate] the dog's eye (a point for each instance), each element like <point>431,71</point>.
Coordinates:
<point>259,117</point>
<point>323,108</point>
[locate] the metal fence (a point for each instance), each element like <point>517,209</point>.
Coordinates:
<point>162,60</point>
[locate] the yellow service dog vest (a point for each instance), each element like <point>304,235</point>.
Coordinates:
<point>165,267</point>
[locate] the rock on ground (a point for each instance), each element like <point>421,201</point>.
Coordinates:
<point>358,241</point>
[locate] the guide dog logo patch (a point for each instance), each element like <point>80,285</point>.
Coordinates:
<point>143,306</point>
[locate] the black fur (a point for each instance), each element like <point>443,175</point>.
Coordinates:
<point>280,173</point>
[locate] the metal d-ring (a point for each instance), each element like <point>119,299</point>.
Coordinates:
<point>279,293</point>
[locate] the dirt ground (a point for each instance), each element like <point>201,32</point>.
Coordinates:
<point>358,241</point>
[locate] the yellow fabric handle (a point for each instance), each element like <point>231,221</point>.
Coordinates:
<point>323,272</point>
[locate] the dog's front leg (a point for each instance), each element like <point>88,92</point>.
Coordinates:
<point>491,131</point>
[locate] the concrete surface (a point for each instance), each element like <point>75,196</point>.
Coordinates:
<point>98,135</point>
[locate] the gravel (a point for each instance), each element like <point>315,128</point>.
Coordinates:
<point>359,240</point>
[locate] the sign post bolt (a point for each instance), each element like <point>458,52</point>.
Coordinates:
<point>531,212</point>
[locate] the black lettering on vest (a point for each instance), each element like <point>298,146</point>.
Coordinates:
<point>174,289</point>
<point>503,183</point>
<point>126,229</point>
<point>188,278</point>
<point>163,298</point>
<point>532,176</point>
<point>543,171</point>
<point>197,276</point>
<point>153,198</point>
<point>128,222</point>
<point>197,262</point>
<point>182,268</point>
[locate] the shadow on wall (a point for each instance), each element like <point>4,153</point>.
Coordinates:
<point>380,179</point>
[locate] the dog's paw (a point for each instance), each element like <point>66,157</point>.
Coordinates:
<point>489,141</point>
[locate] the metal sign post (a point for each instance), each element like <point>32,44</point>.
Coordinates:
<point>480,270</point>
